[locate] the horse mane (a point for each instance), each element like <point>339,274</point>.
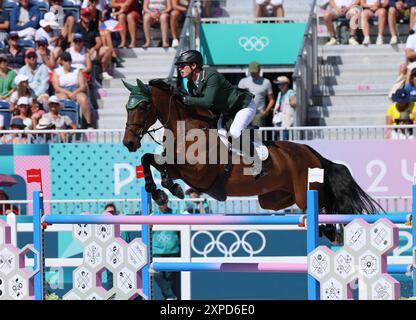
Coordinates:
<point>196,113</point>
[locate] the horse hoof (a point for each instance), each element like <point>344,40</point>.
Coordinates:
<point>177,191</point>
<point>161,198</point>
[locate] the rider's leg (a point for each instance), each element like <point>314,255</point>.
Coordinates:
<point>242,119</point>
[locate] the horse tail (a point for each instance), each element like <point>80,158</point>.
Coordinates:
<point>344,195</point>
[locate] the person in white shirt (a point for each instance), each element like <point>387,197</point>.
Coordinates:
<point>339,8</point>
<point>70,83</point>
<point>373,8</point>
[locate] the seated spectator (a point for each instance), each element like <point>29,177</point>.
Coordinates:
<point>59,121</point>
<point>401,108</point>
<point>373,8</point>
<point>49,30</point>
<point>15,54</point>
<point>69,83</point>
<point>24,112</point>
<point>4,23</point>
<point>399,9</point>
<point>284,110</point>
<point>25,18</point>
<point>14,138</point>
<point>179,9</point>
<point>337,9</point>
<point>7,76</point>
<point>93,43</point>
<point>196,206</point>
<point>65,21</point>
<point>410,86</point>
<point>22,90</point>
<point>98,14</point>
<point>276,8</point>
<point>38,76</point>
<point>127,13</point>
<point>36,113</point>
<point>45,123</point>
<point>7,208</point>
<point>79,54</point>
<point>156,11</point>
<point>262,90</point>
<point>44,55</point>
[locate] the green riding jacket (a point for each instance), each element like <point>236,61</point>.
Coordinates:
<point>214,92</point>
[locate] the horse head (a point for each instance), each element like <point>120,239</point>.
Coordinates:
<point>140,114</point>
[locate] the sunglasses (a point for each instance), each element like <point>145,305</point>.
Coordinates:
<point>182,65</point>
<point>78,40</point>
<point>32,56</point>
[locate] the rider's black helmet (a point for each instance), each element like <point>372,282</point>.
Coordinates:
<point>190,56</point>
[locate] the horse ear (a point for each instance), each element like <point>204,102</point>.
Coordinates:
<point>129,86</point>
<point>141,85</point>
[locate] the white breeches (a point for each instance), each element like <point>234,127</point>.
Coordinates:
<point>242,120</point>
<point>274,3</point>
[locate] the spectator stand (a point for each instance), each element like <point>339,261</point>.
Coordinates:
<point>69,7</point>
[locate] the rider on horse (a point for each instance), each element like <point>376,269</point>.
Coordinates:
<point>210,89</point>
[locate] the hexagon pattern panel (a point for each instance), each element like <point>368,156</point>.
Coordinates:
<point>111,267</point>
<point>16,282</point>
<point>362,260</point>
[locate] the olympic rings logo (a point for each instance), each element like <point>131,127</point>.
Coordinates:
<point>228,250</point>
<point>254,43</point>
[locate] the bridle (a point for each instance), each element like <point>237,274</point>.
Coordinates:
<point>142,125</point>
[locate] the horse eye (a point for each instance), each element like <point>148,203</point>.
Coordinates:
<point>143,107</point>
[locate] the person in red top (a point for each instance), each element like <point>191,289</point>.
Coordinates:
<point>127,13</point>
<point>6,208</point>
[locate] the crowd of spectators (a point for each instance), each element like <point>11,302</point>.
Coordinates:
<point>362,14</point>
<point>67,47</point>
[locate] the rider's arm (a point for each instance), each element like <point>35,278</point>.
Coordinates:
<point>209,94</point>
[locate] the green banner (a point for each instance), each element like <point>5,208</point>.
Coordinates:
<point>239,44</point>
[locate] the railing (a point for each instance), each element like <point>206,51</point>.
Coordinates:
<point>305,75</point>
<point>187,37</point>
<point>377,132</point>
<point>233,205</point>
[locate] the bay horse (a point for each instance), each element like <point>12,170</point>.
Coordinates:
<point>285,184</point>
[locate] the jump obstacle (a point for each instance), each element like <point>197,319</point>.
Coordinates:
<point>310,220</point>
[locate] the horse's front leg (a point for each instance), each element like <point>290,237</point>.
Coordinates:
<point>159,196</point>
<point>167,181</point>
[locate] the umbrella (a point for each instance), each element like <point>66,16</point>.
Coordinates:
<point>6,180</point>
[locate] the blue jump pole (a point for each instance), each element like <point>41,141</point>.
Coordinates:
<point>146,203</point>
<point>312,233</point>
<point>37,242</point>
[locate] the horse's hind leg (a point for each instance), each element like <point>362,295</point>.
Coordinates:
<point>276,200</point>
<point>158,195</point>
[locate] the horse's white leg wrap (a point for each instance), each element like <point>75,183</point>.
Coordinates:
<point>242,120</point>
